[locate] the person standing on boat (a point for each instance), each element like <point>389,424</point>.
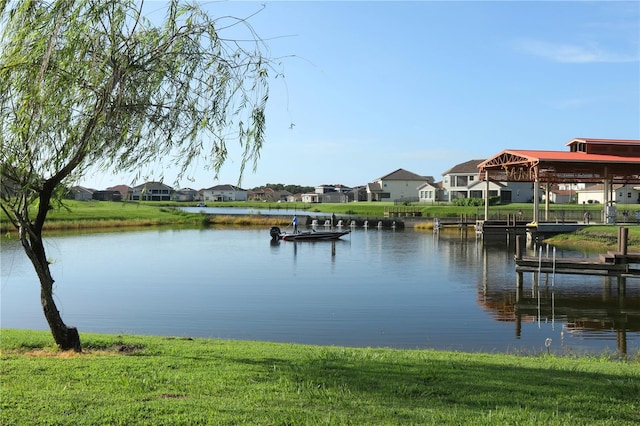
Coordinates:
<point>295,224</point>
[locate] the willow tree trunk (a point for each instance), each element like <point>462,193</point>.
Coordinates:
<point>67,338</point>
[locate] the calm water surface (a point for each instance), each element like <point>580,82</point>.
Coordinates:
<point>402,289</point>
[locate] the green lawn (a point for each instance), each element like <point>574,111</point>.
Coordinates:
<point>135,380</point>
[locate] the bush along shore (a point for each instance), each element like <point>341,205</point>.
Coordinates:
<point>138,380</point>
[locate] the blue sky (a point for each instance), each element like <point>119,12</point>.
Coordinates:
<point>371,86</point>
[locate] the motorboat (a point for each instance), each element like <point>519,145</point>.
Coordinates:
<point>312,235</point>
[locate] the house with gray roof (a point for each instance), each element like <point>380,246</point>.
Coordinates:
<point>185,194</point>
<point>399,185</point>
<point>463,181</point>
<point>224,193</point>
<point>80,193</point>
<point>151,191</point>
<point>457,180</point>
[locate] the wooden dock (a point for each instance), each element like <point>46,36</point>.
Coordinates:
<point>462,222</point>
<point>618,263</point>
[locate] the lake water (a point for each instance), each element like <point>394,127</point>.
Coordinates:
<point>377,288</point>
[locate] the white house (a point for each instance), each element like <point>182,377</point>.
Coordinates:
<point>478,188</point>
<point>560,196</point>
<point>224,193</point>
<point>397,186</point>
<point>462,181</point>
<point>620,194</point>
<point>428,192</point>
<point>310,197</point>
<point>457,180</point>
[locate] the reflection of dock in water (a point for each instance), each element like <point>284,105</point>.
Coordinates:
<point>583,309</point>
<point>585,315</point>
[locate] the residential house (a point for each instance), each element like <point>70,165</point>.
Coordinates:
<point>151,191</point>
<point>399,185</point>
<point>107,195</point>
<point>620,194</point>
<point>560,196</point>
<point>332,194</point>
<point>564,193</point>
<point>428,192</point>
<point>294,198</point>
<point>462,181</point>
<point>310,197</point>
<point>122,189</point>
<point>336,197</point>
<point>284,195</point>
<point>80,193</point>
<point>359,193</point>
<point>457,180</point>
<point>224,193</point>
<point>268,195</point>
<point>323,189</point>
<point>185,194</point>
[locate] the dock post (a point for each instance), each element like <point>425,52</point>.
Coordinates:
<point>519,247</point>
<point>519,286</point>
<point>623,240</point>
<point>622,285</point>
<point>519,277</point>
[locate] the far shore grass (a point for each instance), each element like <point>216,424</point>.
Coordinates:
<point>138,380</point>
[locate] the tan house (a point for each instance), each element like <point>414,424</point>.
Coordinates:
<point>151,191</point>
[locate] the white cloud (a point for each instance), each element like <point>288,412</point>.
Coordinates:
<point>572,53</point>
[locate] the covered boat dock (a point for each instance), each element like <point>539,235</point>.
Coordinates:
<point>604,161</point>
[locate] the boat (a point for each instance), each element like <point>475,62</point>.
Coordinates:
<point>312,235</point>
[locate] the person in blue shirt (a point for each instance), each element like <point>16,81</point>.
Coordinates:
<point>295,224</point>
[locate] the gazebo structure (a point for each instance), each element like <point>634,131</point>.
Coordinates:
<point>606,161</point>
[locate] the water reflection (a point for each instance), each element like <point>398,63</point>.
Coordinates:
<point>404,289</point>
<point>586,307</point>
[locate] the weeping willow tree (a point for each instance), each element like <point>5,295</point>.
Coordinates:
<point>95,84</point>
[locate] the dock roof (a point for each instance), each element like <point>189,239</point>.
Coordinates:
<point>566,166</point>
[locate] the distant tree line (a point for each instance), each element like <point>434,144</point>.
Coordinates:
<point>294,189</point>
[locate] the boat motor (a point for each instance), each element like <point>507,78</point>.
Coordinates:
<point>275,233</point>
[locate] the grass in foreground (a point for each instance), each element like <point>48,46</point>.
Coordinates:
<point>152,380</point>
